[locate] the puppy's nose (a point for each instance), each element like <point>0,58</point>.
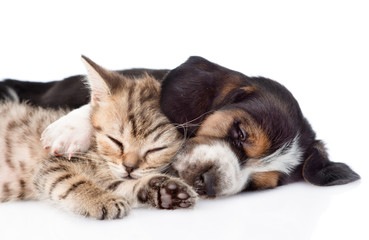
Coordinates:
<point>204,185</point>
<point>209,183</point>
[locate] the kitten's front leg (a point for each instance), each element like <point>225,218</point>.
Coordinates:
<point>69,134</point>
<point>65,184</point>
<point>167,193</point>
<point>159,191</point>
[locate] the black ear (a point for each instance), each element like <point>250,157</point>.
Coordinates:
<point>188,91</point>
<point>197,87</point>
<point>318,170</point>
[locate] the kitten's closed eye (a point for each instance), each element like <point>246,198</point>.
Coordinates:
<point>154,150</point>
<point>117,142</point>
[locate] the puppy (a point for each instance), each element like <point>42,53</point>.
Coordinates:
<point>245,133</point>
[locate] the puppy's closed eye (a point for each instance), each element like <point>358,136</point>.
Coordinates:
<point>237,134</point>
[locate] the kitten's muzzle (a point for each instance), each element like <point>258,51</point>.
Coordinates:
<point>131,162</point>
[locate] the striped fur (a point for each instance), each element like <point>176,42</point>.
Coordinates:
<point>20,148</point>
<point>132,143</point>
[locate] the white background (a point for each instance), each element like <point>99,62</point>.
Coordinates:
<point>318,49</point>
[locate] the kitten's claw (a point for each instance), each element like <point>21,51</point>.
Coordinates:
<point>68,135</point>
<point>103,208</point>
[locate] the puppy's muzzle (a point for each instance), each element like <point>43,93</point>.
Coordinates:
<point>204,184</point>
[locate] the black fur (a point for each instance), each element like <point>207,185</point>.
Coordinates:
<point>190,92</point>
<point>68,93</point>
<point>318,170</point>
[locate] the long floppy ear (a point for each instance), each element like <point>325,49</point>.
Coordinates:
<point>101,81</point>
<point>319,170</point>
<point>196,88</point>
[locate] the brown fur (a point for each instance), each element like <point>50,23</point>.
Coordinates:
<point>98,184</point>
<point>264,180</point>
<point>218,124</point>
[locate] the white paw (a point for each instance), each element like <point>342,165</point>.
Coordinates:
<point>70,134</point>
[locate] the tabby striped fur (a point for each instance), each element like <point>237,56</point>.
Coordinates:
<point>132,143</point>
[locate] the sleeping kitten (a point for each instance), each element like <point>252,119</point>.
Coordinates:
<point>132,142</point>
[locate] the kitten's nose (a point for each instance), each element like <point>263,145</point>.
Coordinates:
<point>131,162</point>
<point>129,169</point>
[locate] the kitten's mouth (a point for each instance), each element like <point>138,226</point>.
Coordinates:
<point>128,177</point>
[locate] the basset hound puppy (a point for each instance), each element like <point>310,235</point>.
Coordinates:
<point>245,133</point>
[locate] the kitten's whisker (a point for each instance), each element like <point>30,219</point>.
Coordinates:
<point>88,157</point>
<point>188,123</point>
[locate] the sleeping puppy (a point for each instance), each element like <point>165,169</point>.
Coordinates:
<point>246,133</point>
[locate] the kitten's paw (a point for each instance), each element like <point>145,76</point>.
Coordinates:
<point>167,193</point>
<point>114,208</point>
<point>68,135</point>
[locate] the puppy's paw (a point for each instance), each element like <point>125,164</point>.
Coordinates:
<point>167,193</point>
<point>68,135</point>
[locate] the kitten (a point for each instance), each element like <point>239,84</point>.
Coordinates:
<point>132,142</point>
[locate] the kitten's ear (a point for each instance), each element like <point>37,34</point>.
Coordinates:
<point>97,79</point>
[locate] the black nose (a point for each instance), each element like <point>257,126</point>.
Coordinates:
<point>205,184</point>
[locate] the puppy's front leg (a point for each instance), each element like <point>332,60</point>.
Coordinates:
<point>69,134</point>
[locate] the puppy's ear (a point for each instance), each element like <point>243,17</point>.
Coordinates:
<point>197,87</point>
<point>187,93</point>
<point>319,170</point>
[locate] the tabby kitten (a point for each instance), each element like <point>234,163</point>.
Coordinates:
<point>133,142</point>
